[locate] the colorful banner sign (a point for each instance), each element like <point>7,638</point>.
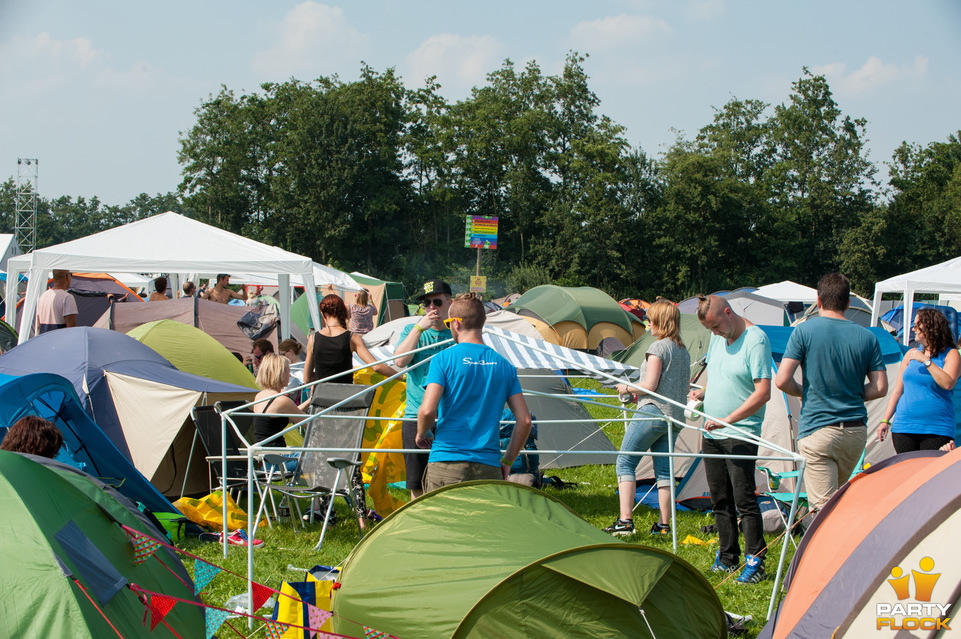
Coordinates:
<point>481,232</point>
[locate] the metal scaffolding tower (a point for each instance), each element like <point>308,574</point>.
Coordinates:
<point>28,169</point>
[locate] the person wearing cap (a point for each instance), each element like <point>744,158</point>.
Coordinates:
<point>435,296</point>
<point>220,292</point>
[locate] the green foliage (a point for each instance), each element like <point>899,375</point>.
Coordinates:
<point>370,175</point>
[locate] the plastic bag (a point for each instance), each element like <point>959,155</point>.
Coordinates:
<point>208,512</point>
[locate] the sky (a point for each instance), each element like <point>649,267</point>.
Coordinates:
<point>100,92</point>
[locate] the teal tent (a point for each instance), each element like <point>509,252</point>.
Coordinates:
<point>495,559</point>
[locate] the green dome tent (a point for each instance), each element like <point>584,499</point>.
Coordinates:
<point>193,351</point>
<point>54,536</point>
<point>582,316</point>
<point>495,559</point>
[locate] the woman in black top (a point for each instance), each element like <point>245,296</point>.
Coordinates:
<point>273,376</point>
<point>330,350</point>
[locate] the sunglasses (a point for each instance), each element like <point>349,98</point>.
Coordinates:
<point>437,301</point>
<point>451,319</point>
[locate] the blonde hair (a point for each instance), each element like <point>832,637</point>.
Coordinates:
<point>272,372</point>
<point>362,299</point>
<point>667,318</point>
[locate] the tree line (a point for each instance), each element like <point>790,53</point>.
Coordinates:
<point>372,176</point>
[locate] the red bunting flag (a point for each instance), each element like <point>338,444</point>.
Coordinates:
<point>159,607</point>
<point>261,595</point>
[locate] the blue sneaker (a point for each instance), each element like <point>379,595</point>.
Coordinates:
<point>720,566</point>
<point>753,572</point>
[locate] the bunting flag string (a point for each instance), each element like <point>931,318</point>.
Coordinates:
<point>261,592</point>
<point>371,633</point>
<point>214,617</point>
<point>160,606</point>
<point>143,546</point>
<point>317,616</point>
<point>204,573</point>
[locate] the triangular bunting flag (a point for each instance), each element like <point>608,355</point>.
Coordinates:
<point>215,619</point>
<point>275,629</point>
<point>143,547</point>
<point>159,607</point>
<point>370,633</point>
<point>204,573</point>
<point>318,617</point>
<point>261,595</point>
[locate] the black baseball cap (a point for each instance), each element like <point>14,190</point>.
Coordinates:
<point>433,287</point>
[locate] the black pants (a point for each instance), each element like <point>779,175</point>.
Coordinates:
<point>906,442</point>
<point>415,463</point>
<point>732,486</point>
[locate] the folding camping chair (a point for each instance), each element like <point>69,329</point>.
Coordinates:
<point>318,474</point>
<point>786,497</point>
<point>209,429</point>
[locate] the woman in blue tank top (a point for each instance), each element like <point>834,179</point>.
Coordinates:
<point>921,401</point>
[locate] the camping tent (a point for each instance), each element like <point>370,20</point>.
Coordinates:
<point>940,278</point>
<point>389,333</point>
<point>788,291</point>
<point>84,444</point>
<point>858,312</point>
<point>388,297</point>
<point>779,426</point>
<point>217,320</point>
<point>67,561</point>
<point>95,293</point>
<point>747,304</point>
<point>193,351</point>
<point>582,316</point>
<point>885,540</point>
<point>162,243</point>
<point>139,399</point>
<point>541,571</point>
<point>9,247</point>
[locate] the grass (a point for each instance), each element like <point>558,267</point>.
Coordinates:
<point>594,498</point>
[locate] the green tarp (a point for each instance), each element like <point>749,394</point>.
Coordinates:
<point>490,559</point>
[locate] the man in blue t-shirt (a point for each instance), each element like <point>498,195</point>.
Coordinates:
<point>835,356</point>
<point>435,296</point>
<point>467,387</point>
<point>738,387</point>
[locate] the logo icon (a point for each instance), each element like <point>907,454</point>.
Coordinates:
<point>921,614</point>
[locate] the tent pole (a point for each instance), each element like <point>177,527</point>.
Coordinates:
<point>787,533</point>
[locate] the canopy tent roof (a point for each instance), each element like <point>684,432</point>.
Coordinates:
<point>167,242</point>
<point>788,291</point>
<point>940,278</point>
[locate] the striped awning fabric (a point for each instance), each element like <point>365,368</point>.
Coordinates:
<point>527,352</point>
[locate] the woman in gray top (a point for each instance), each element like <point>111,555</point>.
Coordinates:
<point>665,371</point>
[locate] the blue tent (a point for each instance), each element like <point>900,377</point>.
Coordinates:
<point>85,446</point>
<point>138,399</point>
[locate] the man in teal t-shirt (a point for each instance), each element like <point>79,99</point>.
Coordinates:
<point>738,387</point>
<point>835,356</point>
<point>435,296</point>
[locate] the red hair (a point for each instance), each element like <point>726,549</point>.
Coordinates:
<point>333,306</point>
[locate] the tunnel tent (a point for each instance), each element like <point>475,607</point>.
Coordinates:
<point>542,571</point>
<point>582,316</point>
<point>164,243</point>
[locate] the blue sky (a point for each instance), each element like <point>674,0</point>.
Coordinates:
<point>99,91</point>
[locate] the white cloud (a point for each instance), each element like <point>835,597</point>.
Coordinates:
<point>616,31</point>
<point>704,9</point>
<point>39,65</point>
<point>872,76</point>
<point>459,62</point>
<point>312,40</point>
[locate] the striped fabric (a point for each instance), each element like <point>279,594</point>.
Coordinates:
<point>527,352</point>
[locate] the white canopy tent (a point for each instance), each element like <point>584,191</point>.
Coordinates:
<point>323,276</point>
<point>788,291</point>
<point>940,278</point>
<point>164,243</point>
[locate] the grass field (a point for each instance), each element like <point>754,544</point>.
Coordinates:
<point>594,498</point>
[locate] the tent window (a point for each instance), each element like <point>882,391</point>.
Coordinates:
<point>102,578</point>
